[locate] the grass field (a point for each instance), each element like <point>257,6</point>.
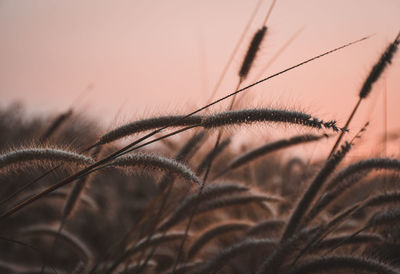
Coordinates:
<point>192,192</point>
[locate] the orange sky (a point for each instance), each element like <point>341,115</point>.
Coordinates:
<point>148,57</point>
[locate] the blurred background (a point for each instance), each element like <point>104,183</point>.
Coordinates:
<point>119,60</point>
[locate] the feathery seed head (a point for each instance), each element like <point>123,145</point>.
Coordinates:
<point>147,160</point>
<point>379,67</point>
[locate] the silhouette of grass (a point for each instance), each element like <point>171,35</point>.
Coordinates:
<point>279,215</point>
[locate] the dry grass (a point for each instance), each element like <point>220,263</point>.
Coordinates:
<point>74,200</point>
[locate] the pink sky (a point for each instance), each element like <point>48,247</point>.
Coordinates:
<point>150,57</point>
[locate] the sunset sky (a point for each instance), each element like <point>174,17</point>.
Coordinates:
<point>141,58</point>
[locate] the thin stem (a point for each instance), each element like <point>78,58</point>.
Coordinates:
<point>345,127</point>
<point>246,29</point>
<point>86,170</point>
<point>269,12</point>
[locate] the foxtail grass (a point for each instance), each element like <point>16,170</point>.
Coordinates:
<point>153,161</point>
<point>156,239</point>
<point>376,72</point>
<point>258,152</point>
<point>35,155</point>
<point>309,196</point>
<point>230,253</point>
<point>57,123</point>
<point>112,156</point>
<point>216,231</point>
<point>79,245</point>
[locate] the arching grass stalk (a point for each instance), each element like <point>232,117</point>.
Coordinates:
<point>246,116</point>
<point>252,53</point>
<point>278,53</point>
<point>153,161</point>
<point>86,170</point>
<point>180,250</point>
<point>69,207</point>
<point>122,242</point>
<point>39,252</point>
<point>50,171</point>
<point>263,150</point>
<point>385,217</point>
<point>338,185</point>
<point>35,155</point>
<point>167,182</point>
<point>214,232</point>
<point>212,154</point>
<point>243,72</point>
<point>360,239</point>
<point>77,243</point>
<point>374,75</point>
<point>156,239</point>
<point>269,225</point>
<point>284,250</point>
<point>153,228</point>
<point>326,229</point>
<point>147,124</point>
<point>227,65</point>
<point>26,186</point>
<point>60,119</point>
<point>209,193</point>
<point>192,202</point>
<point>239,200</point>
<point>225,255</point>
<point>309,196</point>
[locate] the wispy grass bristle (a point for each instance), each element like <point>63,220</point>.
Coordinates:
<point>247,116</point>
<point>150,212</point>
<point>153,161</point>
<point>43,154</point>
<point>148,124</point>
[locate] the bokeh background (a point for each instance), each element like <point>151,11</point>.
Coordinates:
<point>117,60</point>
